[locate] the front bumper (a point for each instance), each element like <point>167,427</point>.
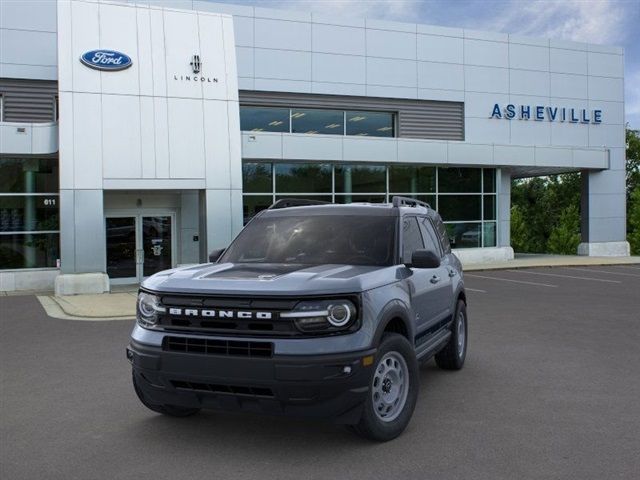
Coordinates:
<point>322,386</point>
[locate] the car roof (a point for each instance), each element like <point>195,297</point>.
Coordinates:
<point>355,209</point>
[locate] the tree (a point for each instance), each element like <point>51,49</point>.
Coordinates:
<point>633,221</point>
<point>633,161</point>
<point>565,237</point>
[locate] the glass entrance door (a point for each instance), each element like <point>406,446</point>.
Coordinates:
<point>156,244</point>
<point>138,246</point>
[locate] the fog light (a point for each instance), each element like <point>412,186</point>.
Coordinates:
<point>129,355</point>
<point>368,360</point>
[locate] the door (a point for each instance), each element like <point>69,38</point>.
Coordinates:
<point>138,246</point>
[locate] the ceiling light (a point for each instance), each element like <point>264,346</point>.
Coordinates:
<point>298,115</point>
<point>333,125</point>
<point>363,134</point>
<point>384,129</point>
<point>312,131</point>
<point>257,129</point>
<point>275,123</point>
<point>357,118</point>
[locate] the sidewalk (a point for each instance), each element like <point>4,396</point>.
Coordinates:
<point>120,304</point>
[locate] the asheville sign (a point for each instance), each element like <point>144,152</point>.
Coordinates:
<point>552,114</point>
<point>108,60</point>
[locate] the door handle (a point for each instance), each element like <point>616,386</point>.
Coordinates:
<point>435,279</point>
<point>453,273</point>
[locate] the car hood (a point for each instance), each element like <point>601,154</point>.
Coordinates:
<point>271,279</point>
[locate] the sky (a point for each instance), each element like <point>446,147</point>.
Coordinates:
<point>608,22</point>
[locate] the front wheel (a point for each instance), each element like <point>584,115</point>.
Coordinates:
<point>170,410</point>
<point>393,391</point>
<point>452,356</point>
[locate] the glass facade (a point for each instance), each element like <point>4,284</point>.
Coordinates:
<point>465,197</point>
<point>29,213</point>
<point>317,121</point>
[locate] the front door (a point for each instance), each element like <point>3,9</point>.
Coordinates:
<point>138,246</point>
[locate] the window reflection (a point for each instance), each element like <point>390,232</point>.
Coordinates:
<point>264,119</point>
<point>470,216</point>
<point>373,124</point>
<point>303,178</point>
<point>329,122</point>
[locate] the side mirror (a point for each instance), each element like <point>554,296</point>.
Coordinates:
<point>424,259</point>
<point>215,255</point>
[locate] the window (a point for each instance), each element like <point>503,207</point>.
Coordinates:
<point>411,238</point>
<point>264,119</point>
<point>361,178</point>
<point>372,124</point>
<point>459,180</point>
<point>29,213</point>
<point>470,215</point>
<point>329,122</point>
<point>1,108</point>
<point>303,178</point>
<point>405,179</point>
<point>317,121</point>
<point>431,241</point>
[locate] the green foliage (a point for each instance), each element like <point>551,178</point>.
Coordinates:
<point>565,236</point>
<point>633,161</point>
<point>633,221</point>
<point>541,211</point>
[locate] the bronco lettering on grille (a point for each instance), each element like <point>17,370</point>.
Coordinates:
<point>234,314</point>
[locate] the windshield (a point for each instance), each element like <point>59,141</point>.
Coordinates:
<point>315,240</point>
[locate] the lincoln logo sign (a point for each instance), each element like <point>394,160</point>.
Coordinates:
<point>108,60</point>
<point>235,314</point>
<point>551,114</point>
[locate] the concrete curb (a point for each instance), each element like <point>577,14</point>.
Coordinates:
<point>55,310</point>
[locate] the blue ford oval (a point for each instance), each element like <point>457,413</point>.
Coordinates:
<point>109,60</point>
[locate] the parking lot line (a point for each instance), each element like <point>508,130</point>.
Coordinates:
<point>475,290</point>
<point>565,276</point>
<point>603,271</point>
<point>513,281</point>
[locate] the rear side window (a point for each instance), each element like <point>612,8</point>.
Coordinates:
<point>442,234</point>
<point>411,238</point>
<point>431,240</point>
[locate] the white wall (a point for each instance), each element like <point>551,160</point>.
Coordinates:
<point>145,127</point>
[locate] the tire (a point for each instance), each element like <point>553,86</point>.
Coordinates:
<point>169,410</point>
<point>393,391</point>
<point>452,356</point>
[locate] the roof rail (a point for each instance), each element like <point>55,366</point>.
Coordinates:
<point>408,202</point>
<point>295,202</point>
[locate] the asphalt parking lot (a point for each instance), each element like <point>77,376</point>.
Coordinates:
<point>551,389</point>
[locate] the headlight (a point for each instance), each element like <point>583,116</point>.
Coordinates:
<point>323,315</point>
<point>147,309</point>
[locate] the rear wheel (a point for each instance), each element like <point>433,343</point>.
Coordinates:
<point>170,410</point>
<point>453,355</point>
<point>393,391</point>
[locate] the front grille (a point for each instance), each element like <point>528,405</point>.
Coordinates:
<point>230,389</point>
<point>206,346</point>
<point>266,327</point>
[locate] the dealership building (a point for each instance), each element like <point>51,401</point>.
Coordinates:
<point>136,137</point>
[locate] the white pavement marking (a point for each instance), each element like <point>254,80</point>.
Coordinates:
<point>604,271</point>
<point>475,290</point>
<point>565,276</point>
<point>513,281</point>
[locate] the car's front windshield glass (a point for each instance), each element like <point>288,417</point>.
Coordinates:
<point>315,240</point>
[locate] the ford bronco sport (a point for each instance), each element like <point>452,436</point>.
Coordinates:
<point>314,309</point>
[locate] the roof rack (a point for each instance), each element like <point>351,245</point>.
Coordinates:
<point>296,202</point>
<point>408,202</point>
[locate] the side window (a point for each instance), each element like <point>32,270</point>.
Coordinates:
<point>441,230</point>
<point>431,241</point>
<point>411,238</point>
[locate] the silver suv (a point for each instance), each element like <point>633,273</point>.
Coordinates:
<point>315,310</point>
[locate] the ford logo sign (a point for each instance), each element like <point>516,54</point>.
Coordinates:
<point>108,60</point>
